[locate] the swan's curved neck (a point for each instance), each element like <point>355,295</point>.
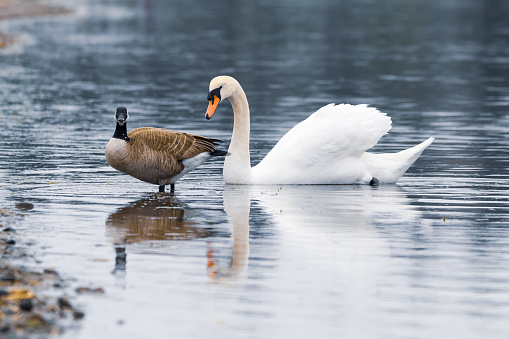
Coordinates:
<point>237,167</point>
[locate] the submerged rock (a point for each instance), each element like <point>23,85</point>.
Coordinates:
<point>8,277</point>
<point>78,315</point>
<point>97,290</point>
<point>26,305</point>
<point>24,206</point>
<point>64,304</point>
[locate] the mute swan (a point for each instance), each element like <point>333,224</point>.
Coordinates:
<point>156,155</point>
<point>326,148</point>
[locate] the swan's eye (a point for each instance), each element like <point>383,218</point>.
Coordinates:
<point>216,92</point>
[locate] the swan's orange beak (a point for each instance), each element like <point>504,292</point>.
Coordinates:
<point>212,107</point>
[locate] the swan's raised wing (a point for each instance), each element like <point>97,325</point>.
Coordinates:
<point>332,133</point>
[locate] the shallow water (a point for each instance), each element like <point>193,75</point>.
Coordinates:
<point>428,257</point>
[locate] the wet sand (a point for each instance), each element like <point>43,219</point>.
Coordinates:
<point>10,9</point>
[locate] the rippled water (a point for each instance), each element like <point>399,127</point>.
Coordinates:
<point>426,258</point>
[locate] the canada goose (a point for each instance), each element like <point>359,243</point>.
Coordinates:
<point>156,155</point>
<point>326,148</point>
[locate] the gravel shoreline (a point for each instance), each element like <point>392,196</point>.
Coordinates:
<point>33,302</point>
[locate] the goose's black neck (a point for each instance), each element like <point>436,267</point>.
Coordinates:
<point>121,132</point>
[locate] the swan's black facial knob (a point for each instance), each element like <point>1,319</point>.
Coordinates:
<point>214,99</point>
<point>216,92</point>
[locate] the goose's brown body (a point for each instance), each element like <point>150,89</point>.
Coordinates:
<point>156,155</point>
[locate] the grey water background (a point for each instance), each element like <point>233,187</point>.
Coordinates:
<point>425,258</point>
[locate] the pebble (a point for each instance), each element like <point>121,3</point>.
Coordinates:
<point>63,303</point>
<point>82,289</point>
<point>97,290</point>
<point>35,321</point>
<point>24,206</point>
<point>77,314</point>
<point>8,277</point>
<point>26,305</point>
<point>50,271</point>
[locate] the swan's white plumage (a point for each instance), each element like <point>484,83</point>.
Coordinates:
<point>325,148</point>
<point>329,147</point>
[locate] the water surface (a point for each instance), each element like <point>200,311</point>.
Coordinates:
<point>427,257</point>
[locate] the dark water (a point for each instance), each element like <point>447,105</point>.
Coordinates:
<point>426,258</point>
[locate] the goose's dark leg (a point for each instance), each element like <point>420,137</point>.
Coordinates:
<point>121,257</point>
<point>161,188</point>
<point>172,188</point>
<point>374,182</point>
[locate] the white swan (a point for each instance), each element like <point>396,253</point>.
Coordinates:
<point>326,148</point>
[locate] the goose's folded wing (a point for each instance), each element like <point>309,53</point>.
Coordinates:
<point>181,145</point>
<point>331,133</point>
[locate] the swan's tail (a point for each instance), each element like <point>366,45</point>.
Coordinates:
<point>388,168</point>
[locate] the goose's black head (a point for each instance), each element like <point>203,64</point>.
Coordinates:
<point>121,115</point>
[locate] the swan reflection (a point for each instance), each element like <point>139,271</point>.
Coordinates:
<point>309,215</point>
<point>351,206</point>
<point>342,225</point>
<point>237,206</point>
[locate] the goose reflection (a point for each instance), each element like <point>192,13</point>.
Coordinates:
<point>150,219</point>
<point>153,218</point>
